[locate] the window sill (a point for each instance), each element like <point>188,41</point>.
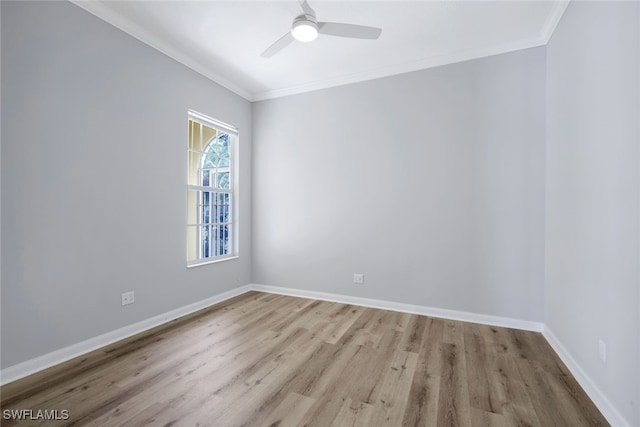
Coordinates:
<point>213,261</point>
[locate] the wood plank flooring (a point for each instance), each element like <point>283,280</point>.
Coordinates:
<point>268,360</point>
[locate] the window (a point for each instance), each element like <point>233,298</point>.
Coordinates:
<point>212,189</point>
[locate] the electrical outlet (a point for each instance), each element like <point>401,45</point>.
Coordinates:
<point>128,298</point>
<point>602,351</point>
<point>358,278</point>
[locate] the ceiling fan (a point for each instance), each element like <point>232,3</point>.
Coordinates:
<point>305,28</point>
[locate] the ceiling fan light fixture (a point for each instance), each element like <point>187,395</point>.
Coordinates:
<point>304,30</point>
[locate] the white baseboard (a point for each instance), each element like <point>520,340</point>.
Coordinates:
<point>21,370</point>
<point>464,316</point>
<point>599,399</point>
<point>595,394</point>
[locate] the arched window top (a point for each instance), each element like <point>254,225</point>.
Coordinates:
<point>216,153</point>
<point>215,162</point>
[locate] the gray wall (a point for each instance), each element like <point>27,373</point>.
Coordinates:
<point>430,183</point>
<point>592,214</point>
<point>93,179</point>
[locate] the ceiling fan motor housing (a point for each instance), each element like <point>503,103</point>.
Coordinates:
<point>305,28</point>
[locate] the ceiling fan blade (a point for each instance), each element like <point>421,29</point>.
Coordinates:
<point>348,30</point>
<point>280,44</point>
<point>306,8</point>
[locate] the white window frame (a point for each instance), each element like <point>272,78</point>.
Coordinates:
<point>233,217</point>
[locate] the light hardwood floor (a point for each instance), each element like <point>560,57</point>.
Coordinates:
<point>268,360</point>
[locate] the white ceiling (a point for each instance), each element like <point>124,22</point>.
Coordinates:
<point>224,39</point>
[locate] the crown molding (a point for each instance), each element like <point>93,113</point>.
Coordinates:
<point>396,69</point>
<point>98,9</point>
<point>553,20</point>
